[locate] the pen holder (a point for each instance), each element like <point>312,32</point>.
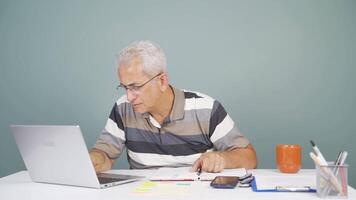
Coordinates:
<point>331,181</point>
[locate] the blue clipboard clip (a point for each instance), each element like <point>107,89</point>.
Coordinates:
<point>281,188</point>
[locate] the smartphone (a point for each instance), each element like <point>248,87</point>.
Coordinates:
<point>224,182</point>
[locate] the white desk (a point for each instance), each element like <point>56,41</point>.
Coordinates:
<point>20,186</point>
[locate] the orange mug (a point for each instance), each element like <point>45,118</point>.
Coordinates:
<point>288,157</point>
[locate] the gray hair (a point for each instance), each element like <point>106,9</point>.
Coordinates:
<point>151,55</point>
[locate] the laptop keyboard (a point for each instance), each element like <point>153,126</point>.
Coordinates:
<point>103,180</point>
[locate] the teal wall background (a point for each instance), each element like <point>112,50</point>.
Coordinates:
<point>284,70</point>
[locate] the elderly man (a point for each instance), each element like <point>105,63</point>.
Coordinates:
<point>163,126</point>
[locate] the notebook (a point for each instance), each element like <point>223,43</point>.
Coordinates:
<point>184,174</point>
<point>58,155</point>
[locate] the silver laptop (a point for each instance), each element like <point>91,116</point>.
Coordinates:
<point>58,154</point>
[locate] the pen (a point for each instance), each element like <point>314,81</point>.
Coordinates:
<point>318,153</point>
<point>316,159</point>
<point>198,173</point>
<point>317,162</point>
<point>343,178</point>
<point>343,158</point>
<point>293,189</point>
<point>339,161</point>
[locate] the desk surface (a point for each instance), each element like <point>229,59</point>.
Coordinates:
<point>20,186</point>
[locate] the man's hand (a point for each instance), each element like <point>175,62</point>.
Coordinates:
<point>217,161</point>
<point>210,162</point>
<point>100,160</point>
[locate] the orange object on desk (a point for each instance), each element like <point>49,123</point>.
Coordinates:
<point>288,157</point>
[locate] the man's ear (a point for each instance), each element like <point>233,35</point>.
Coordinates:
<point>163,80</point>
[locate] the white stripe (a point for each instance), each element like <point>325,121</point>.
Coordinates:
<point>222,129</point>
<point>113,129</point>
<point>151,159</point>
<point>198,103</point>
<point>122,99</point>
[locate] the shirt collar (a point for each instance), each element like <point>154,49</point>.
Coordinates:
<point>177,111</point>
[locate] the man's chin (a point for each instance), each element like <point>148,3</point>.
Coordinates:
<point>139,109</point>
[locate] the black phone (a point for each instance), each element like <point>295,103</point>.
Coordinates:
<point>224,182</point>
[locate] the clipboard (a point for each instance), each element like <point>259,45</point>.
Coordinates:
<point>255,188</point>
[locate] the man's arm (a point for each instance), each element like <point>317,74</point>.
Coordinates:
<point>100,160</point>
<point>217,161</point>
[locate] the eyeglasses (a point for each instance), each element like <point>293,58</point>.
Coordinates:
<point>135,88</point>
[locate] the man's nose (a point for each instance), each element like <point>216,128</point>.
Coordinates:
<point>130,95</point>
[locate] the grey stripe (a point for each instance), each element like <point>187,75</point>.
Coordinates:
<point>136,165</point>
<point>234,138</point>
<point>174,150</point>
<point>188,128</point>
<point>194,122</point>
<point>166,138</point>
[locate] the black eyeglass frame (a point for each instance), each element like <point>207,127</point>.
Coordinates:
<point>136,88</point>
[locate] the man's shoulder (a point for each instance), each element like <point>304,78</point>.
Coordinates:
<point>197,100</point>
<point>189,94</point>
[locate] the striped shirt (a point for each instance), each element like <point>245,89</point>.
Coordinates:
<point>196,124</point>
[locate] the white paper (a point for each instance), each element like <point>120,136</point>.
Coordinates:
<point>184,174</point>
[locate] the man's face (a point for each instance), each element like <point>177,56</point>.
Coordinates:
<point>142,100</point>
